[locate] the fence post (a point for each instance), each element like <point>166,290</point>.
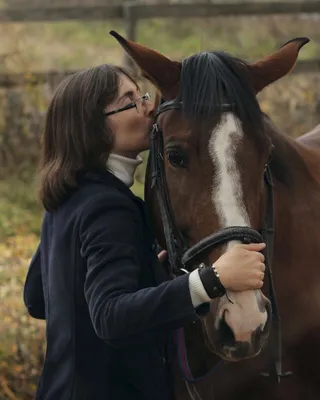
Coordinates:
<point>131,32</point>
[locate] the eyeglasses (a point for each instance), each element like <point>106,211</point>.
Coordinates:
<point>138,104</point>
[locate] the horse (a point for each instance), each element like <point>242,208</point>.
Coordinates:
<point>220,173</point>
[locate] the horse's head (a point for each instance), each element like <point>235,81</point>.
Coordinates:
<point>215,151</point>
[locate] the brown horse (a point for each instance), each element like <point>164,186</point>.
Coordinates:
<point>223,172</point>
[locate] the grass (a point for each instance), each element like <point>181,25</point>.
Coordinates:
<point>22,337</point>
<point>20,212</point>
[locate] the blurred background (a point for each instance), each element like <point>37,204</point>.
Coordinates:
<point>44,40</point>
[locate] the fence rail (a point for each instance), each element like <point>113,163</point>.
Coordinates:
<point>145,11</point>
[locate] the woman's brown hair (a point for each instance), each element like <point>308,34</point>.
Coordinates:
<point>76,136</point>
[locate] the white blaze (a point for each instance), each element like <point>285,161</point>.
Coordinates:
<point>227,190</point>
<point>244,316</point>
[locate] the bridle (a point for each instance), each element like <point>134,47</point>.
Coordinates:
<point>181,257</point>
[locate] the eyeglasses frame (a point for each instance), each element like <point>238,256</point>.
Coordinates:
<point>145,97</point>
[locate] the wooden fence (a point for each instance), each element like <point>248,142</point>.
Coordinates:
<point>136,11</point>
<point>131,13</point>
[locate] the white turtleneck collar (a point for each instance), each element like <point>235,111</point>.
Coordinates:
<point>123,168</point>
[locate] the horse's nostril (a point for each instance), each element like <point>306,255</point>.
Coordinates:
<point>226,332</point>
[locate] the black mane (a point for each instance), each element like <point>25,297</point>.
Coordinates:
<point>211,79</point>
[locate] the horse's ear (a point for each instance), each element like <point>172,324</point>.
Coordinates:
<point>276,65</point>
<point>160,70</point>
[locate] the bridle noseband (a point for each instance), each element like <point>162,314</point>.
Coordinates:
<point>181,257</point>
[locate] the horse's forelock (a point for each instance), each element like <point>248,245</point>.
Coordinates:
<point>211,79</point>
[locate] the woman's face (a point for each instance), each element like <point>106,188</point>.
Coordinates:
<point>131,128</point>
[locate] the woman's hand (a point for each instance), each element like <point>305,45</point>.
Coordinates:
<point>242,267</point>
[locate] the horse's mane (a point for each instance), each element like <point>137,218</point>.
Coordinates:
<point>211,79</point>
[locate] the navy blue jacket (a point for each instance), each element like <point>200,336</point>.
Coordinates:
<point>110,308</point>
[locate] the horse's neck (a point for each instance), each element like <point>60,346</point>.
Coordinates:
<point>297,239</point>
<point>296,172</point>
<point>296,166</point>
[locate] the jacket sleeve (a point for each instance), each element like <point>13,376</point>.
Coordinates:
<point>121,313</point>
<point>33,290</point>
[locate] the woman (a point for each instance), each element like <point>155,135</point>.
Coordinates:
<point>96,279</point>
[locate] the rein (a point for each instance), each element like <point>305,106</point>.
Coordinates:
<point>181,257</point>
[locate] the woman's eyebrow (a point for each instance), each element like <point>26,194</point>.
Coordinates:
<point>128,93</point>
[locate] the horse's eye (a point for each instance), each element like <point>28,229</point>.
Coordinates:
<point>177,158</point>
